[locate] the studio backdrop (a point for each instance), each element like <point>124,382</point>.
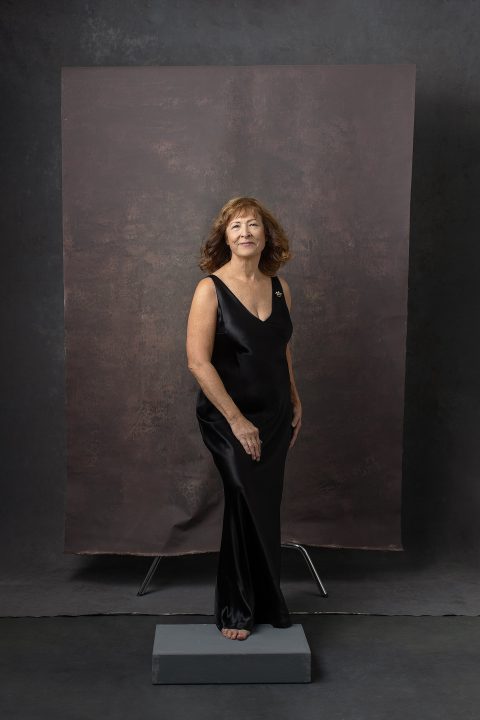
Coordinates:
<point>150,154</point>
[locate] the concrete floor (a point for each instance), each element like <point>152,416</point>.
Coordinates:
<point>363,667</point>
<point>367,582</point>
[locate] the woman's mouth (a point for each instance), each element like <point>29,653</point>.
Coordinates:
<point>247,243</point>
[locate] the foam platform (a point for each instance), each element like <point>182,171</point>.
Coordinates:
<point>199,653</point>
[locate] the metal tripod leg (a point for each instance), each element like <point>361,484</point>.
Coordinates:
<point>296,546</point>
<point>310,565</point>
<point>149,575</point>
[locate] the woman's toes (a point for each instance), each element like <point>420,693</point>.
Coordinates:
<point>235,633</point>
<point>229,633</point>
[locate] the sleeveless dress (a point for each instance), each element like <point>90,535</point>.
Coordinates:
<point>249,354</point>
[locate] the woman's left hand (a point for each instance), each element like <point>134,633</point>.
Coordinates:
<point>296,420</point>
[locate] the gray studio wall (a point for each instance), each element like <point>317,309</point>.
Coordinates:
<point>441,460</point>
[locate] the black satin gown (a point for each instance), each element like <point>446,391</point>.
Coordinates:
<point>249,354</point>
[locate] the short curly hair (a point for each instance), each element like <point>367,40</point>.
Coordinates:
<point>215,252</point>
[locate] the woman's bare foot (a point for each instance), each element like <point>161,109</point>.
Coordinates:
<point>235,633</point>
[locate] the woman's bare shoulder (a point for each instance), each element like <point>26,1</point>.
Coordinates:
<point>205,294</point>
<point>284,283</point>
<point>286,290</point>
<point>205,286</point>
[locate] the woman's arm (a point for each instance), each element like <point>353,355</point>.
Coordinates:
<point>202,321</point>
<point>297,405</point>
<point>293,388</point>
<point>199,346</point>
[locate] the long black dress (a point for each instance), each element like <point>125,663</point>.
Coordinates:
<point>249,354</point>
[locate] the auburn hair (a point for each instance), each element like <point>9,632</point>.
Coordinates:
<point>215,252</point>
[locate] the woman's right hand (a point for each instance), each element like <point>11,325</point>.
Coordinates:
<point>248,434</point>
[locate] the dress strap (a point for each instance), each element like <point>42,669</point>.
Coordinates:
<point>219,301</point>
<point>277,286</point>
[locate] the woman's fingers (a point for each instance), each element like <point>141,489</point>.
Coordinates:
<point>248,435</point>
<point>253,445</point>
<point>296,429</point>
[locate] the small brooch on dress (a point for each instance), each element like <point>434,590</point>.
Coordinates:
<point>278,292</point>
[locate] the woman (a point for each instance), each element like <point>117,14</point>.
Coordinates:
<point>248,407</point>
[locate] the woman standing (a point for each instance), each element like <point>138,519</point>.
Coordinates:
<point>248,408</point>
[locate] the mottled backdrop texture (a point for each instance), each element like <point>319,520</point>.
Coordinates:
<point>149,156</point>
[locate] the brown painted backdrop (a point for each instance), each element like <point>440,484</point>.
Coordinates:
<point>149,156</point>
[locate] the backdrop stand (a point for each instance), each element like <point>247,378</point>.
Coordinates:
<point>296,546</point>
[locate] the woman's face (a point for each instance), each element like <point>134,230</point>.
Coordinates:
<point>245,234</point>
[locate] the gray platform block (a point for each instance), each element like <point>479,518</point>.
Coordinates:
<point>199,653</point>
